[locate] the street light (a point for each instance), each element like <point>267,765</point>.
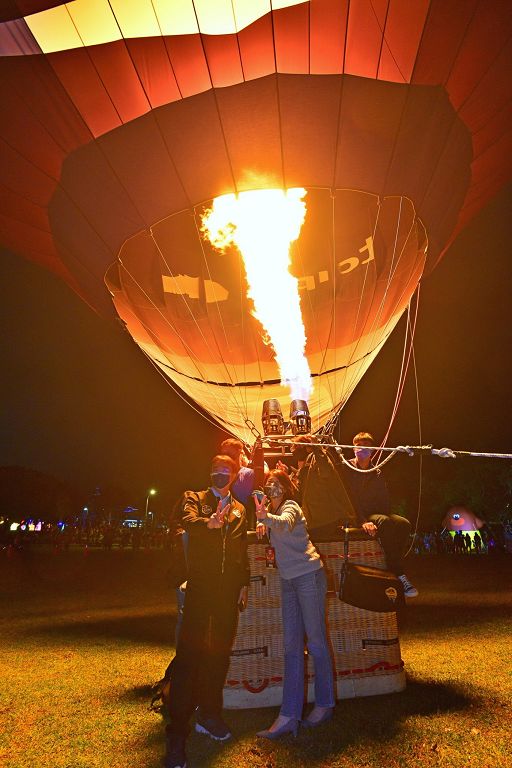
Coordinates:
<point>151,492</point>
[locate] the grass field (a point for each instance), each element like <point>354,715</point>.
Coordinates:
<point>84,635</point>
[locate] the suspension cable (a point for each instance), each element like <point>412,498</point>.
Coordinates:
<point>410,450</point>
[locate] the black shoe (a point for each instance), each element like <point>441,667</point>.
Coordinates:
<point>409,589</point>
<point>215,727</point>
<point>175,755</point>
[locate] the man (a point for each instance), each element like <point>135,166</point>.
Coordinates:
<point>370,499</point>
<point>241,489</point>
<point>218,579</point>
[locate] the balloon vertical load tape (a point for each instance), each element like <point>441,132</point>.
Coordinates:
<point>365,645</point>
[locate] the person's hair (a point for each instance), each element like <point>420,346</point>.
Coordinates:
<point>363,436</point>
<point>290,489</point>
<point>226,461</point>
<point>231,447</point>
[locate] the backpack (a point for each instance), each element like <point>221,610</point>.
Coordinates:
<point>324,498</point>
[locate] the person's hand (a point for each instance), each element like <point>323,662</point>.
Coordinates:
<point>218,517</point>
<point>260,506</point>
<point>280,465</point>
<point>370,529</point>
<point>243,598</point>
<point>260,530</point>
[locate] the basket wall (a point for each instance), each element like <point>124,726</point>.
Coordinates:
<point>365,645</point>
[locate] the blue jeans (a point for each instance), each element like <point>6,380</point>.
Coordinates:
<point>303,610</point>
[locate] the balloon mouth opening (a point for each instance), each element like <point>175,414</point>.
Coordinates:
<point>189,304</point>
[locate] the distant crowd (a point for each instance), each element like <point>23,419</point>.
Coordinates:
<point>462,543</point>
<point>103,536</point>
<point>120,537</point>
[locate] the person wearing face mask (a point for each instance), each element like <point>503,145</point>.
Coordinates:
<point>248,478</point>
<point>303,591</point>
<point>370,498</point>
<point>217,587</point>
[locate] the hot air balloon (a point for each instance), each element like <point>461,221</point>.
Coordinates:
<point>125,122</point>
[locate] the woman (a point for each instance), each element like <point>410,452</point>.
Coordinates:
<point>303,589</point>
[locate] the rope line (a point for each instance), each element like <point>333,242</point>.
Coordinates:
<point>375,467</point>
<point>408,350</point>
<point>410,450</point>
<point>420,434</point>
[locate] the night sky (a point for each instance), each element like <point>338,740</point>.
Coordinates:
<point>81,402</point>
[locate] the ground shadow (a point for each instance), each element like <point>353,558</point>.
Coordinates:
<point>155,628</point>
<point>142,693</point>
<point>376,718</point>
<point>369,720</point>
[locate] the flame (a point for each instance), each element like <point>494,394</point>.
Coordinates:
<point>262,224</point>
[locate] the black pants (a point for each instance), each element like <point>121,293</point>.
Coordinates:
<point>393,534</point>
<point>199,669</point>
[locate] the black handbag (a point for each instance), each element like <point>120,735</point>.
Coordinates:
<point>372,589</point>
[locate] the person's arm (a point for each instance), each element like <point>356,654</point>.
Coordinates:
<point>257,464</point>
<point>369,528</point>
<point>261,531</point>
<point>284,521</point>
<point>176,516</point>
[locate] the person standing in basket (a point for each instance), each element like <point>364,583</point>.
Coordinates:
<point>217,586</point>
<point>303,591</point>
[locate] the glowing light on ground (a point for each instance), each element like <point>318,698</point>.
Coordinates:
<point>263,224</point>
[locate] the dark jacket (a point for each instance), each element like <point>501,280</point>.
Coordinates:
<point>214,552</point>
<point>322,494</point>
<point>368,492</point>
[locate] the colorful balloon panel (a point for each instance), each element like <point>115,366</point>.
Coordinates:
<point>121,120</point>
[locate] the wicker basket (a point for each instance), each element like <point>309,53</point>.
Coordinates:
<point>365,645</point>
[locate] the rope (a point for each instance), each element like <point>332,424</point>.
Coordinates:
<point>410,450</point>
<point>374,467</point>
<point>444,453</point>
<point>418,410</point>
<point>408,350</point>
<point>447,453</point>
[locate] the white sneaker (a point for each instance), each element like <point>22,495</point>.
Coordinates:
<point>409,589</point>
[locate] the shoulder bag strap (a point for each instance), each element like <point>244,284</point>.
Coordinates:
<point>346,542</point>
